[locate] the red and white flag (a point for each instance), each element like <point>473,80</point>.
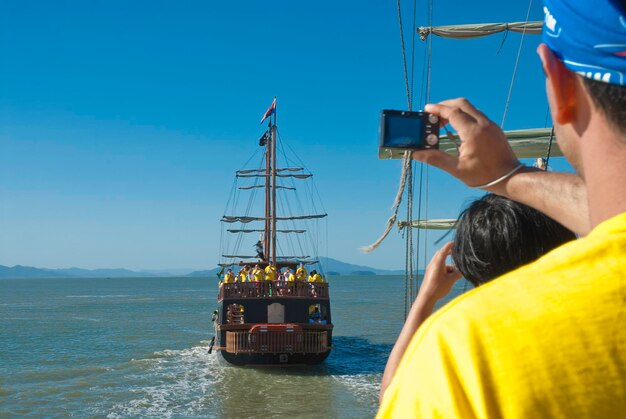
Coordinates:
<point>270,111</point>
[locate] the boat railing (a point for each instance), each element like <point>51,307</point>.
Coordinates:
<point>273,289</point>
<point>305,342</point>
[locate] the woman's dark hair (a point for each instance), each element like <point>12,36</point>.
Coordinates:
<point>495,235</point>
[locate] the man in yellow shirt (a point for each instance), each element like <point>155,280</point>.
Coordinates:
<point>229,277</point>
<point>301,273</point>
<point>258,274</point>
<point>244,272</point>
<point>289,276</point>
<point>548,339</point>
<point>270,272</point>
<point>315,277</point>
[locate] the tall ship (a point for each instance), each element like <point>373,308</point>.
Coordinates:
<point>273,302</point>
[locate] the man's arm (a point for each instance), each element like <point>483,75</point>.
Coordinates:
<point>485,155</point>
<point>561,196</point>
<point>438,281</point>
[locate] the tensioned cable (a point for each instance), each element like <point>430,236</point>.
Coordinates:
<point>309,235</point>
<point>549,147</point>
<point>426,231</point>
<point>419,217</point>
<point>407,155</point>
<point>301,163</point>
<point>310,240</point>
<point>251,201</point>
<point>430,50</point>
<point>519,52</point>
<point>421,181</point>
<point>413,53</point>
<point>406,73</point>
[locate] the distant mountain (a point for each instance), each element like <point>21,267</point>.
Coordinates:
<point>331,267</point>
<point>19,271</point>
<point>342,268</point>
<point>101,273</point>
<point>210,272</point>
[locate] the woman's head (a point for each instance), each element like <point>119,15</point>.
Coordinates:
<point>495,235</point>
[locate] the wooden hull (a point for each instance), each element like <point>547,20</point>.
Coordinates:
<point>273,324</point>
<point>273,359</point>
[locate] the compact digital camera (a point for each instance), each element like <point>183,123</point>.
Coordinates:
<point>403,130</point>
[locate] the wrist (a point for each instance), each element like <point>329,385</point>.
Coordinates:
<point>510,187</point>
<point>426,301</point>
<point>501,179</point>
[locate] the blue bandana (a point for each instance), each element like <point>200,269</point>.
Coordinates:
<point>588,36</point>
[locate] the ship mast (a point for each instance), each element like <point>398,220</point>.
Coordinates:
<point>271,172</point>
<point>273,218</point>
<point>268,204</point>
<point>269,238</point>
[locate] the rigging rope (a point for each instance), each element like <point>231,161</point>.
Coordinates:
<point>419,217</point>
<point>519,51</point>
<point>413,53</point>
<point>549,147</point>
<point>406,73</point>
<point>408,267</point>
<point>406,162</point>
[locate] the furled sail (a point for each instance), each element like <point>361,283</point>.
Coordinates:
<point>479,30</point>
<point>263,186</point>
<point>297,176</point>
<point>246,219</point>
<point>434,224</point>
<point>283,169</point>
<point>526,143</point>
<point>262,231</point>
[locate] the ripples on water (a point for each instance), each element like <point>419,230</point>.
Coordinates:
<point>138,347</point>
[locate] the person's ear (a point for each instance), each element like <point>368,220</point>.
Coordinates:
<point>560,86</point>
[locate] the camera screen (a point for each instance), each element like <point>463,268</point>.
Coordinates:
<point>403,131</point>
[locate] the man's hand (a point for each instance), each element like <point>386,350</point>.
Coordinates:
<point>439,277</point>
<point>484,154</point>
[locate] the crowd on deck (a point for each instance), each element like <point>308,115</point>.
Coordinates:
<point>271,273</point>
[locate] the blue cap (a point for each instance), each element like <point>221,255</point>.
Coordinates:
<point>588,36</point>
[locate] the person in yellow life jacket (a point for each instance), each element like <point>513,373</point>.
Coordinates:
<point>289,275</point>
<point>270,273</point>
<point>315,277</point>
<point>301,273</point>
<point>257,274</point>
<point>244,273</point>
<point>229,278</point>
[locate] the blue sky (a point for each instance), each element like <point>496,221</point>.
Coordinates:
<point>121,123</point>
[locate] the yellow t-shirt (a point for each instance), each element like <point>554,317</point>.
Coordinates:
<point>301,274</point>
<point>244,275</point>
<point>270,273</point>
<point>258,275</point>
<point>229,278</point>
<point>290,276</point>
<point>546,340</point>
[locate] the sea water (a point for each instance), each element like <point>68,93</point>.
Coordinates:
<point>128,347</point>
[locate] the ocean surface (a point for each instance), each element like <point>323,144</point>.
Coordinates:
<point>129,347</point>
